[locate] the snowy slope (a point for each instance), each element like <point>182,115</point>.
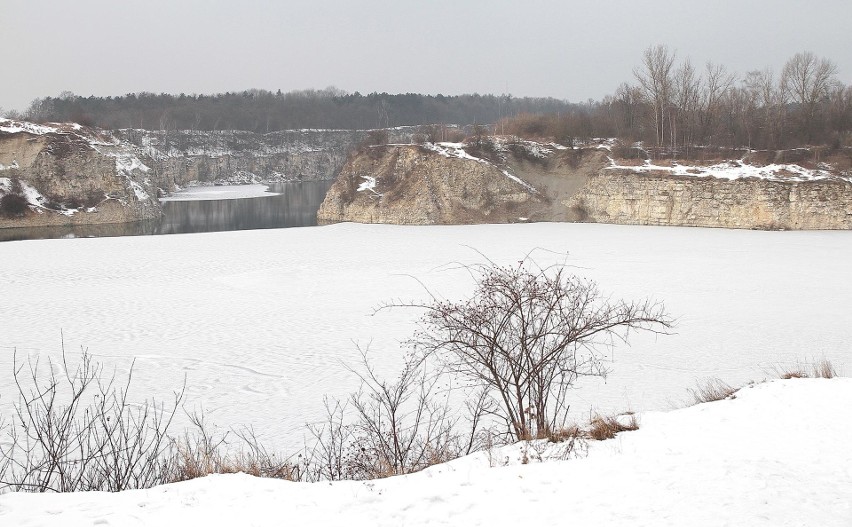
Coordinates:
<point>775,455</point>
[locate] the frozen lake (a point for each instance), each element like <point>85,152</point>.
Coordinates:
<point>207,209</point>
<point>261,322</point>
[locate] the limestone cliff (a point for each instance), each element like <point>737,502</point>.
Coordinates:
<point>182,157</point>
<point>431,184</point>
<point>524,181</point>
<point>624,197</point>
<point>68,174</point>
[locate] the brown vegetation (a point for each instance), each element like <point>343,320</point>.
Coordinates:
<point>712,390</point>
<point>603,427</point>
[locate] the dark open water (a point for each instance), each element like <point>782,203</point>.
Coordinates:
<point>296,206</point>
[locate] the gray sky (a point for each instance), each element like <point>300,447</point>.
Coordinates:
<point>571,50</point>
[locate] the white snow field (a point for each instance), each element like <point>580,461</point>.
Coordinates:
<point>261,323</point>
<point>775,455</point>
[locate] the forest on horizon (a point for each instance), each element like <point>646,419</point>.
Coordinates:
<point>669,103</point>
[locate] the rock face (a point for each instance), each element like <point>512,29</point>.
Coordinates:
<point>617,196</point>
<point>76,175</point>
<point>72,175</point>
<point>411,184</point>
<point>182,157</point>
<point>420,185</point>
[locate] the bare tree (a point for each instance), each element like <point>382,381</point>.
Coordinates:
<point>808,80</point>
<point>526,335</point>
<point>686,104</point>
<point>716,84</point>
<point>655,77</point>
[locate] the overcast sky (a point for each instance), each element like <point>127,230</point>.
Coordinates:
<point>565,49</point>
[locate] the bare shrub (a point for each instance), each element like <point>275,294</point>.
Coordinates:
<point>526,335</point>
<point>374,138</point>
<point>712,390</point>
<point>389,428</point>
<point>605,427</point>
<point>203,451</point>
<point>77,431</point>
<point>13,205</point>
<point>453,135</point>
<point>622,151</point>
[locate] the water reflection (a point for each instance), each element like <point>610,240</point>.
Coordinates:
<point>295,206</point>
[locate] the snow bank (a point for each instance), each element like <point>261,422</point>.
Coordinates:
<point>776,455</point>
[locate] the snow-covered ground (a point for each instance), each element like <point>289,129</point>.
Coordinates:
<point>201,193</point>
<point>737,170</point>
<point>261,322</point>
<point>776,455</point>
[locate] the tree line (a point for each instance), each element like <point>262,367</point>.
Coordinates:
<point>265,111</point>
<point>675,107</point>
<point>670,105</point>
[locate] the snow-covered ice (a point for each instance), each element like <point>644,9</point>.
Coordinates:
<point>775,455</point>
<point>260,322</point>
<point>202,193</point>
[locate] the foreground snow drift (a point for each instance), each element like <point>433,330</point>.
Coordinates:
<point>776,454</point>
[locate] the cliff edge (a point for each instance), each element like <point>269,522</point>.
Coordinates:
<point>454,183</point>
<point>499,180</point>
<point>61,174</point>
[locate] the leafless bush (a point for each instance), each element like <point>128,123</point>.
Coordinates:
<point>203,451</point>
<point>374,138</point>
<point>396,427</point>
<point>76,430</point>
<point>711,390</point>
<point>525,336</point>
<point>13,205</point>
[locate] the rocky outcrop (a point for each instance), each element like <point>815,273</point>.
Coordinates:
<point>446,184</point>
<point>70,174</point>
<point>414,184</point>
<point>618,196</point>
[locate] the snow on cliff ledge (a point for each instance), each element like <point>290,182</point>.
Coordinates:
<point>738,170</point>
<point>776,455</point>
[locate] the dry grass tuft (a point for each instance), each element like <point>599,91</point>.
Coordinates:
<point>601,428</point>
<point>824,370</point>
<point>711,390</point>
<point>567,433</point>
